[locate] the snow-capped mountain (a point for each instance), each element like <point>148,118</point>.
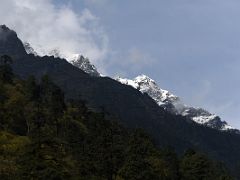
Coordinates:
<point>84,64</point>
<point>143,83</point>
<point>29,49</point>
<point>76,59</point>
<point>174,104</point>
<point>147,85</point>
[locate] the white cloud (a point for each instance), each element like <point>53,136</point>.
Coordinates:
<point>47,27</point>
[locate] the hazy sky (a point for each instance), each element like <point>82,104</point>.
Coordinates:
<point>190,47</point>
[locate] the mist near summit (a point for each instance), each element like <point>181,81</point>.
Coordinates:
<point>48,27</point>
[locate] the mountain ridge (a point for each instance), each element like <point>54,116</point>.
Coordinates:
<point>76,59</point>
<point>173,103</point>
<point>145,84</point>
<point>125,104</point>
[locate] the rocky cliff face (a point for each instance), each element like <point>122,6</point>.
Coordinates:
<point>29,49</point>
<point>84,64</point>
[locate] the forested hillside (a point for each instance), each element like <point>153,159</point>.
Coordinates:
<point>43,136</point>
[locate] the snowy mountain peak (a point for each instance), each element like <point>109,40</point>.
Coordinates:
<point>84,64</point>
<point>173,103</point>
<point>143,78</point>
<point>147,85</point>
<point>75,59</point>
<point>29,49</point>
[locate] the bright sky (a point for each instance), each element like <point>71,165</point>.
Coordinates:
<point>191,48</point>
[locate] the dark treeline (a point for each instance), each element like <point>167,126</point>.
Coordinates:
<point>43,136</point>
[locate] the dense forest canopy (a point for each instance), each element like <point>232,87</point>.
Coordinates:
<point>44,136</point>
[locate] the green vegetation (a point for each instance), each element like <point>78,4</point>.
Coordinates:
<point>42,136</point>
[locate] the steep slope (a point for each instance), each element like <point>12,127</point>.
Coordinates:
<point>10,43</point>
<point>129,106</point>
<point>109,149</point>
<point>173,103</point>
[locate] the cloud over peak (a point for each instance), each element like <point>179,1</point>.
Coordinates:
<point>49,27</point>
